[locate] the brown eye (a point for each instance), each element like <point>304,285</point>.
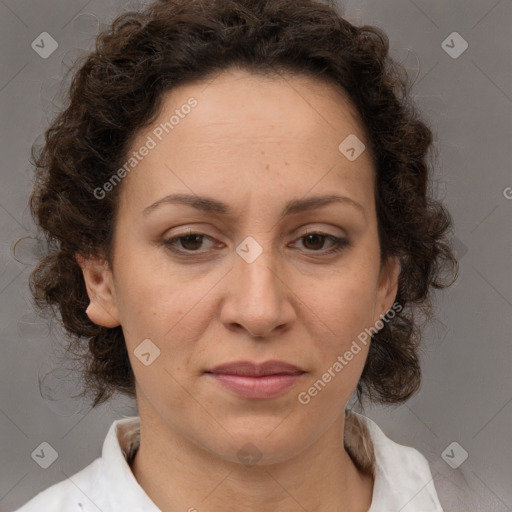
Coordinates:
<point>191,242</point>
<point>186,243</point>
<point>314,242</point>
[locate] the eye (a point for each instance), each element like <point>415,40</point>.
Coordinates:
<point>314,242</point>
<point>190,242</point>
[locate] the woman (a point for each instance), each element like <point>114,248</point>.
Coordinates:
<point>242,237</point>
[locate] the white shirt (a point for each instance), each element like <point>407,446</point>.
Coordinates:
<point>402,478</point>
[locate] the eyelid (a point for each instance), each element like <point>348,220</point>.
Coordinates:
<point>339,243</point>
<point>297,233</point>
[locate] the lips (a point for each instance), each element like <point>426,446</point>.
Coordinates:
<point>256,381</point>
<point>249,369</point>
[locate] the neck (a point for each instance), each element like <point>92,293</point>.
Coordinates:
<point>179,475</point>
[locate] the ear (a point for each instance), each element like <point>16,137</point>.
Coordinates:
<point>102,309</point>
<point>388,286</point>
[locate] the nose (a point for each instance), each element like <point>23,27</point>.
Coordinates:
<point>258,297</point>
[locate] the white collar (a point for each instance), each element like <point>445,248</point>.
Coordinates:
<point>402,478</point>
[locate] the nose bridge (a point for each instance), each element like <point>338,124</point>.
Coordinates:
<point>257,298</point>
<point>256,267</point>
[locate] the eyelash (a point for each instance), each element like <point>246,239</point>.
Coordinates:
<point>339,243</point>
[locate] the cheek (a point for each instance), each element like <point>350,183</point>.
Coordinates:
<point>158,301</point>
<point>142,296</point>
<point>346,306</point>
<point>340,347</point>
<point>342,308</point>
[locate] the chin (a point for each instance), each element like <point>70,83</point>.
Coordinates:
<point>258,445</point>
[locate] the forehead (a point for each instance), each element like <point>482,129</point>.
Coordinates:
<point>297,104</point>
<point>279,130</point>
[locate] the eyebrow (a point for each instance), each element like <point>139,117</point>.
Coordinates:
<point>210,205</point>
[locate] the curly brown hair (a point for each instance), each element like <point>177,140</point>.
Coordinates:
<point>117,89</point>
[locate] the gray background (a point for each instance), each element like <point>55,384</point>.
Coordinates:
<point>467,388</point>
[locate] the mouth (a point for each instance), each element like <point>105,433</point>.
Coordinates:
<point>256,381</point>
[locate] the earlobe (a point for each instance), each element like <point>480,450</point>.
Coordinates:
<point>102,309</point>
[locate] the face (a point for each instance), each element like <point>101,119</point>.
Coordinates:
<point>257,272</point>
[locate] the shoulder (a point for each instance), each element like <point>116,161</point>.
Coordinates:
<point>402,477</point>
<point>106,484</point>
<point>404,474</point>
<point>78,492</point>
<point>371,448</point>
